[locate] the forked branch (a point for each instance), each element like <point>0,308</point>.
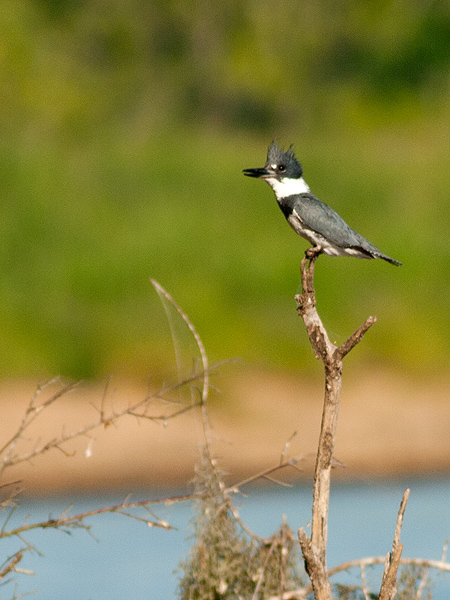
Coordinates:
<point>314,548</point>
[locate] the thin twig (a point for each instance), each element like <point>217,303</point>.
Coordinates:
<point>286,447</point>
<point>356,337</point>
<point>364,583</point>
<point>423,582</point>
<point>192,329</point>
<point>103,420</point>
<point>31,413</point>
<point>399,523</point>
<point>389,581</point>
<point>76,521</point>
<point>379,560</point>
<point>266,473</point>
<point>11,564</point>
<point>234,511</point>
<point>444,550</point>
<point>366,562</point>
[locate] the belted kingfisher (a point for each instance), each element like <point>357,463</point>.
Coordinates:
<point>307,215</point>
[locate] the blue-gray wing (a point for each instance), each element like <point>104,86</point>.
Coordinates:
<point>322,219</point>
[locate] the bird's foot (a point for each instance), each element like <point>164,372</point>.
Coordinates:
<point>313,252</point>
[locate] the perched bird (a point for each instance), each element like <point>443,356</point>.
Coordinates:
<point>307,215</point>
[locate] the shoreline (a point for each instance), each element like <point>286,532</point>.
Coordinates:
<point>388,428</point>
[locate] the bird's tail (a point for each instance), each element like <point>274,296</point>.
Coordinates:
<point>388,259</point>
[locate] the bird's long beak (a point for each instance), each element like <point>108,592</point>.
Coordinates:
<point>262,172</point>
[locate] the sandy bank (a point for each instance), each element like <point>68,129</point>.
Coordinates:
<point>388,426</point>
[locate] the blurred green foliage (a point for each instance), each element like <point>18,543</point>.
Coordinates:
<point>125,127</point>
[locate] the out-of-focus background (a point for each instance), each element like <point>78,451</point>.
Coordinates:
<point>125,128</point>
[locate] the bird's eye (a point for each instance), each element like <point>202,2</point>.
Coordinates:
<point>281,168</point>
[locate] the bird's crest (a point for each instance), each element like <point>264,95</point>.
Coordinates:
<point>277,155</point>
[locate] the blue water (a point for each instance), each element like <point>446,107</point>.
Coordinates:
<point>131,560</point>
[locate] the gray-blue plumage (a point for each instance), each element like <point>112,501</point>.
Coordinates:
<point>307,215</point>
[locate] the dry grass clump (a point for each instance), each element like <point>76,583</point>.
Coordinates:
<point>227,562</point>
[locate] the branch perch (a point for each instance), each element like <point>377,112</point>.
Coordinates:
<point>314,548</point>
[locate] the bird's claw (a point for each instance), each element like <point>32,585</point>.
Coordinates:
<point>313,252</point>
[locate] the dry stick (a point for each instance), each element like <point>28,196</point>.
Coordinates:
<point>32,412</point>
<point>234,489</point>
<point>13,562</point>
<point>77,521</point>
<point>302,593</point>
<point>379,560</point>
<point>205,391</point>
<point>314,548</point>
<point>389,582</point>
<point>265,474</point>
<point>137,410</point>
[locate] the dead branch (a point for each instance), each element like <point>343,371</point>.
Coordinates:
<point>13,562</point>
<point>314,548</point>
<point>362,563</point>
<point>10,455</point>
<point>147,408</point>
<point>162,292</point>
<point>139,409</point>
<point>389,582</point>
<point>33,410</point>
<point>66,522</point>
<point>267,473</point>
<point>379,560</point>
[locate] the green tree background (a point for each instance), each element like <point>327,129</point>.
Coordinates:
<point>125,127</point>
